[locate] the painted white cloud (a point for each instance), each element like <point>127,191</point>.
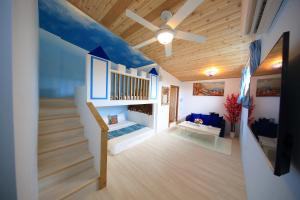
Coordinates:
<point>66,11</point>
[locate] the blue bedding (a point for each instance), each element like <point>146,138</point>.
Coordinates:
<point>123,131</point>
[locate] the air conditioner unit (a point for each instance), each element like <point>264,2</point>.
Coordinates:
<point>258,15</point>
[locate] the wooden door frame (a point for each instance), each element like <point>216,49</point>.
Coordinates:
<point>177,99</point>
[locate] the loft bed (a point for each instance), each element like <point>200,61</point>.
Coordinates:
<point>125,134</point>
<point>110,84</point>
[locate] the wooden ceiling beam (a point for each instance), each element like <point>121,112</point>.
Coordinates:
<point>215,45</point>
<point>204,77</point>
<point>94,8</point>
<point>116,11</point>
<point>226,66</point>
<point>183,63</point>
<point>222,65</point>
<point>141,8</point>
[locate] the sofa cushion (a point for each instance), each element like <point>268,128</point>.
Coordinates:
<point>188,118</point>
<point>195,116</point>
<point>214,114</point>
<point>206,119</point>
<point>215,120</point>
<point>112,119</point>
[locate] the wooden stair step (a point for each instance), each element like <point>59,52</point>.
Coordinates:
<point>56,161</point>
<point>48,103</point>
<point>57,111</point>
<point>57,107</point>
<point>46,100</point>
<point>54,179</point>
<point>61,129</point>
<point>85,192</point>
<point>58,125</point>
<point>59,121</point>
<point>52,142</point>
<point>70,186</point>
<point>58,116</point>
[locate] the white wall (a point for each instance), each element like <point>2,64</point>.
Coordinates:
<point>92,130</point>
<point>261,184</point>
<point>25,96</point>
<point>207,104</point>
<point>141,118</point>
<point>165,80</point>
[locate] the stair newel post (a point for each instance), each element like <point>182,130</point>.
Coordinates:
<point>103,159</point>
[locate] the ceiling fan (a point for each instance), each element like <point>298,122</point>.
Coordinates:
<point>166,33</point>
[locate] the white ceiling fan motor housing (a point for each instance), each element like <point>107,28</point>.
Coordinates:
<point>166,15</point>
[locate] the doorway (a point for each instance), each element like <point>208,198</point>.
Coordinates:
<point>173,110</point>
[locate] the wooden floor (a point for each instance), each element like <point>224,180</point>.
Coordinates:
<point>166,167</point>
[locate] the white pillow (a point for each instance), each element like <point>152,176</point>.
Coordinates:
<point>121,117</point>
<point>105,119</point>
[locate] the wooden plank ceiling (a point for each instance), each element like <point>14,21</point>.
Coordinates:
<point>218,20</point>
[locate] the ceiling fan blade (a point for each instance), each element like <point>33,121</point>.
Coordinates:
<point>183,12</point>
<point>145,43</point>
<point>141,20</point>
<point>168,49</point>
<point>189,36</point>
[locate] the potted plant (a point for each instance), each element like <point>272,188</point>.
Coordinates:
<point>233,109</point>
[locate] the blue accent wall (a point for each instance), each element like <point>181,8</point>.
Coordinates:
<point>113,110</point>
<point>8,189</point>
<point>61,66</point>
<point>66,21</point>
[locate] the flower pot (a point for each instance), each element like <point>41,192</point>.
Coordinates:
<point>232,134</point>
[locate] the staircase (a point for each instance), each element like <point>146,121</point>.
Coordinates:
<point>65,165</point>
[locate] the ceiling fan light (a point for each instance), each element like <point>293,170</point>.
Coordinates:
<point>165,36</point>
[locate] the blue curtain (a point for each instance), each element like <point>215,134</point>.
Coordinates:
<point>255,53</point>
<point>254,61</point>
<point>242,85</point>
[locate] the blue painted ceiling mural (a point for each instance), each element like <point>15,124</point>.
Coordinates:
<point>64,20</point>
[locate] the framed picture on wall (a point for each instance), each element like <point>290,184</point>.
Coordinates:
<point>209,89</point>
<point>165,95</point>
<point>269,87</point>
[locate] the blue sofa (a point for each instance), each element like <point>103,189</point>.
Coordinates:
<point>264,127</point>
<point>213,119</point>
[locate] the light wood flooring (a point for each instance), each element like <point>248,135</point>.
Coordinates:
<point>166,167</point>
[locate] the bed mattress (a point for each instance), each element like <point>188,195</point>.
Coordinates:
<point>119,144</point>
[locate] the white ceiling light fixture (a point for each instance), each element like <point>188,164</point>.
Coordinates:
<point>165,36</point>
<point>167,32</point>
<point>211,71</point>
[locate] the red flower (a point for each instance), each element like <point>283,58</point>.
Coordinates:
<point>233,109</point>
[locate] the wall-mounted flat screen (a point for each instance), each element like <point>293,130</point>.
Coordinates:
<point>267,109</point>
